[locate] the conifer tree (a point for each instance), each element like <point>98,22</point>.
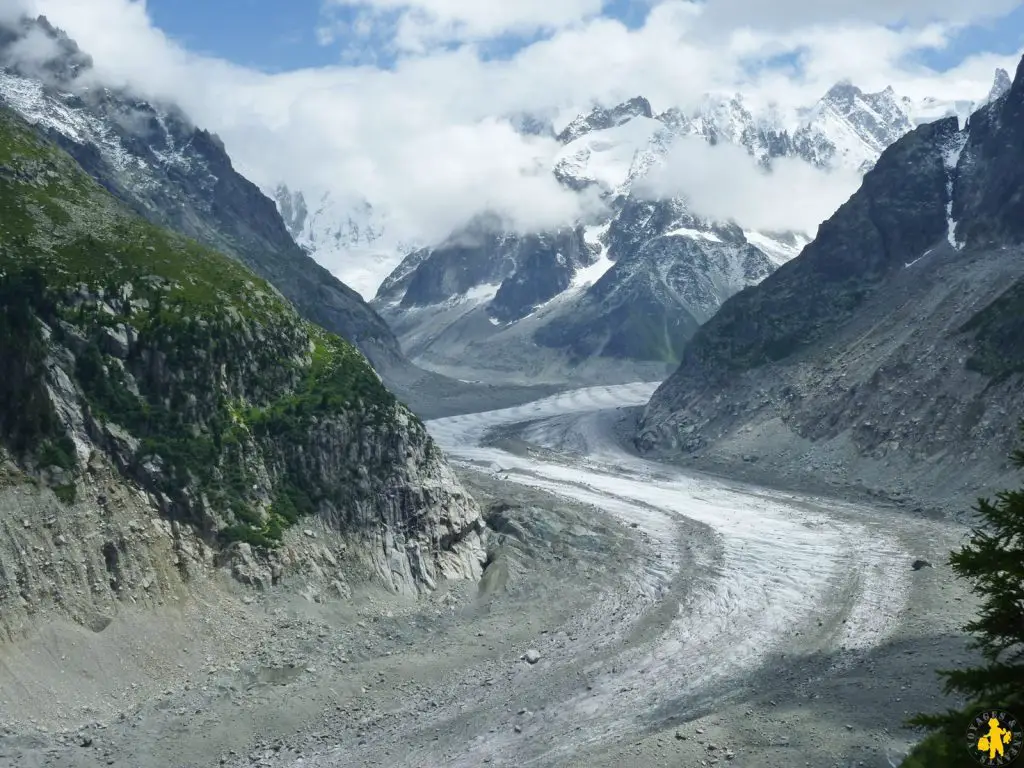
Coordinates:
<point>993,561</point>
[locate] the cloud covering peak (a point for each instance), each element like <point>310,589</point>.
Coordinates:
<point>423,138</point>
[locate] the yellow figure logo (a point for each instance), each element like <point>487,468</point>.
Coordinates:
<point>994,738</point>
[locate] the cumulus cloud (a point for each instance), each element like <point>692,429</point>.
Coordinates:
<point>419,24</point>
<point>10,13</point>
<point>723,182</point>
<point>786,14</point>
<point>423,137</point>
<point>34,49</point>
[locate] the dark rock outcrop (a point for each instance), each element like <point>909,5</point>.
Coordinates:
<point>545,266</point>
<point>893,340</point>
<point>660,288</point>
<point>523,271</point>
<point>988,199</point>
<point>600,118</point>
<point>899,212</point>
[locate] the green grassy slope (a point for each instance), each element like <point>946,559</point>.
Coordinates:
<point>203,364</point>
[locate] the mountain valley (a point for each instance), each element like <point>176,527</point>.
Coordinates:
<point>658,486</point>
<point>903,369</point>
<point>617,298</point>
<point>176,175</point>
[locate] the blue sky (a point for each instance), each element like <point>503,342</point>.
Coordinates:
<point>270,35</point>
<point>280,35</point>
<point>1005,36</point>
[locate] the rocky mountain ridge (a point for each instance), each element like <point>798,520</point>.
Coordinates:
<point>889,349</point>
<point>171,410</point>
<point>610,147</point>
<point>846,128</point>
<point>354,239</point>
<point>179,176</point>
<point>155,160</point>
<point>652,270</point>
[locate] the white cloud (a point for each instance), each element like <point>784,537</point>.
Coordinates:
<point>420,24</point>
<point>723,182</point>
<point>10,13</point>
<point>34,49</point>
<point>421,138</point>
<point>786,14</point>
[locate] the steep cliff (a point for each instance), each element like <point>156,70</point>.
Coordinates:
<point>517,273</point>
<point>179,176</point>
<point>661,286</point>
<point>131,349</point>
<point>659,268</point>
<point>889,352</point>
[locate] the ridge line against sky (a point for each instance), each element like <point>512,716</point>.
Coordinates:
<point>404,102</point>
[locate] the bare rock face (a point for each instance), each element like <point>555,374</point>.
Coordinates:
<point>378,486</point>
<point>418,523</point>
<point>890,348</point>
<point>165,414</point>
<point>89,559</point>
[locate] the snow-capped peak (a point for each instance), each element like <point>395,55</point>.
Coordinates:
<point>1000,85</point>
<point>930,109</point>
<point>57,62</point>
<point>351,238</point>
<point>722,119</point>
<point>134,137</point>
<point>610,148</point>
<point>359,227</point>
<point>851,128</point>
<point>606,157</point>
<point>600,118</point>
